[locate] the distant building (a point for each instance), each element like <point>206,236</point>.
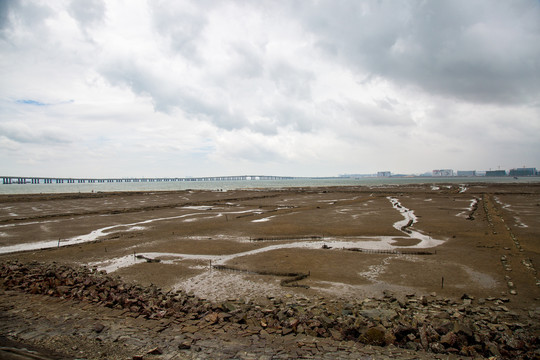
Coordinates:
<point>496,173</point>
<point>443,172</point>
<point>383,174</point>
<point>466,173</point>
<point>523,172</point>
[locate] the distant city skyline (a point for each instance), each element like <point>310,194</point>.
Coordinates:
<point>35,179</point>
<point>441,173</point>
<point>295,88</point>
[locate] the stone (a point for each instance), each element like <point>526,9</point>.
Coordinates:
<point>514,343</point>
<point>373,336</point>
<point>378,314</point>
<point>423,337</point>
<point>463,328</point>
<point>401,332</point>
<point>492,349</point>
<point>185,345</point>
<point>228,306</point>
<point>212,317</point>
<point>422,323</point>
<point>444,327</point>
<point>437,347</point>
<point>286,330</point>
<point>449,340</point>
<point>98,327</point>
<point>155,351</point>
<point>336,335</point>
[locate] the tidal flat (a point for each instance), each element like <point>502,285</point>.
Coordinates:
<point>344,244</point>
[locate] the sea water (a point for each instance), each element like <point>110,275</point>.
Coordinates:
<point>249,184</point>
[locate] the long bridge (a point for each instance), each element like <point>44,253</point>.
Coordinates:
<point>63,180</point>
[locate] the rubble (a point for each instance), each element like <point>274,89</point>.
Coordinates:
<point>465,327</point>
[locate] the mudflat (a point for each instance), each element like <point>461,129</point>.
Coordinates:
<point>345,244</point>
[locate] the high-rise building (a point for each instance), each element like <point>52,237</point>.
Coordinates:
<point>496,173</point>
<point>523,172</point>
<point>466,173</point>
<point>443,172</point>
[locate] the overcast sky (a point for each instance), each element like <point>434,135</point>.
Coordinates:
<point>304,88</point>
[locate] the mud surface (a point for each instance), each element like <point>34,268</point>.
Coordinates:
<point>480,240</point>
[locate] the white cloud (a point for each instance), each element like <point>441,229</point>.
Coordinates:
<point>177,88</point>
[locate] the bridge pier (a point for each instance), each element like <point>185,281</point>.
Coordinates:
<point>38,180</point>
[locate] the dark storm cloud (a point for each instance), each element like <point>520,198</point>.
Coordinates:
<point>480,51</point>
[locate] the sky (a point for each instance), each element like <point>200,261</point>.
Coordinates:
<point>157,88</point>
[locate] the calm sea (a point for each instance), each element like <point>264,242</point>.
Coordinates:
<point>247,184</point>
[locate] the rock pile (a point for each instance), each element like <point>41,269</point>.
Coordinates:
<point>468,327</point>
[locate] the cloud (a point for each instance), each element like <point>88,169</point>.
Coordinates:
<point>4,14</point>
<point>480,52</point>
<point>299,88</point>
<point>181,24</point>
<point>87,13</point>
<point>21,133</point>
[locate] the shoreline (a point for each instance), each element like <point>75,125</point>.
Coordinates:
<point>22,189</point>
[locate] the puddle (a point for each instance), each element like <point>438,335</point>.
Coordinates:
<point>408,215</point>
<point>268,218</point>
<point>469,209</point>
<point>92,236</point>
